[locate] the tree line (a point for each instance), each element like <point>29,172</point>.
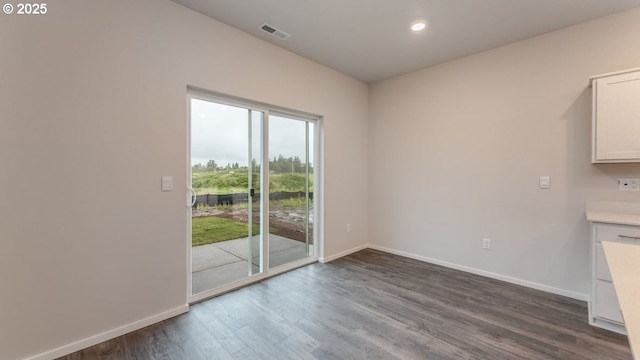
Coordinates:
<point>279,165</point>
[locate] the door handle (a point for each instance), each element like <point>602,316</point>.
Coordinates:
<point>191,197</point>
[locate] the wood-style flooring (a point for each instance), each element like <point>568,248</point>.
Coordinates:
<point>373,305</point>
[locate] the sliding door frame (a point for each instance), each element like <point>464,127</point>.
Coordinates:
<point>318,221</point>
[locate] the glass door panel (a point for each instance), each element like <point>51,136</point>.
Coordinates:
<point>225,218</point>
<point>290,190</point>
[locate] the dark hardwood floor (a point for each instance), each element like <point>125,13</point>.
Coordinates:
<point>373,305</point>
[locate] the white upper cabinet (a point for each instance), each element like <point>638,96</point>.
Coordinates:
<point>616,117</point>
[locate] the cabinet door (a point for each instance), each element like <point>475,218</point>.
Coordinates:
<point>617,118</point>
<point>602,268</point>
<point>607,305</point>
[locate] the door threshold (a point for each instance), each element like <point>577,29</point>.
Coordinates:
<point>206,295</point>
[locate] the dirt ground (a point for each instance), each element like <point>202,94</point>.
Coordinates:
<point>287,223</point>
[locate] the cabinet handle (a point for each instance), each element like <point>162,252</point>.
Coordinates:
<point>629,237</point>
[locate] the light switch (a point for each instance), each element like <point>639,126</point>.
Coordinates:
<point>167,183</point>
<point>545,182</point>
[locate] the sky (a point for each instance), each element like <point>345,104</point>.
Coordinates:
<point>220,132</point>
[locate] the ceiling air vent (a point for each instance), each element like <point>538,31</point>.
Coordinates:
<point>275,32</point>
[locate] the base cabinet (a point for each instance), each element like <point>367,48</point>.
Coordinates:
<point>604,308</point>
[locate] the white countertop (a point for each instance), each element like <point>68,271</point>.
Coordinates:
<point>624,213</point>
<point>624,264</point>
<point>613,218</point>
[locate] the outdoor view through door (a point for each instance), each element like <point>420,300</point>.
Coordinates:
<point>237,229</point>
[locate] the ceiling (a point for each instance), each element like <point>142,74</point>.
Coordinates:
<point>370,40</point>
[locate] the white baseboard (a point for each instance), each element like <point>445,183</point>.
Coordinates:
<point>108,335</point>
<point>325,260</point>
<point>530,284</point>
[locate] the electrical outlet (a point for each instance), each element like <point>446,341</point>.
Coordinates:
<point>629,184</point>
<point>486,244</point>
<point>348,228</point>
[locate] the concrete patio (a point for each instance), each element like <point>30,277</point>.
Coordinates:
<point>220,263</point>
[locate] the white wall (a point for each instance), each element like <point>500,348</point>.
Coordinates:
<point>92,114</point>
<point>457,149</point>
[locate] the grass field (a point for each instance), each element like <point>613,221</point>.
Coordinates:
<point>209,230</point>
<point>236,182</point>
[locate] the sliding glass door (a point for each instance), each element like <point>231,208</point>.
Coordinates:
<point>252,192</point>
<point>290,189</point>
<point>226,159</point>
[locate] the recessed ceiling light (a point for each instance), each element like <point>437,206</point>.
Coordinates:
<point>418,25</point>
